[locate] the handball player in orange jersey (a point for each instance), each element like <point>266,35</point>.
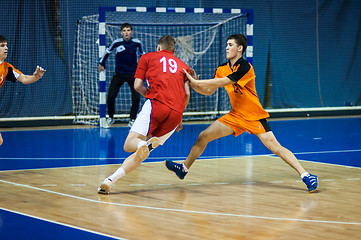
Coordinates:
<point>166,99</point>
<point>247,114</point>
<point>8,72</point>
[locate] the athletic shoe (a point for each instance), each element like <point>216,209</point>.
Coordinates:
<point>105,186</point>
<point>108,122</point>
<point>311,182</point>
<point>143,151</point>
<point>177,168</point>
<point>130,123</point>
<point>152,143</point>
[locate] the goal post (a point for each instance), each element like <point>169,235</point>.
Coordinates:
<point>200,35</point>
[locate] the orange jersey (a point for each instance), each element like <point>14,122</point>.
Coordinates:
<point>242,93</point>
<point>8,72</point>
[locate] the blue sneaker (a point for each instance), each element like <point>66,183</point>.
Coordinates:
<point>311,182</point>
<point>177,168</point>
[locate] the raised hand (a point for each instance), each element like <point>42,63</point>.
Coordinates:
<point>39,72</point>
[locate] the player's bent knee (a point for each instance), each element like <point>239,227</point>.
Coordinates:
<point>127,148</point>
<point>203,136</point>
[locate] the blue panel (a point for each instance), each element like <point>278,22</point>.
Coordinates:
<point>102,11</point>
<point>30,30</point>
<point>250,15</point>
<point>102,86</point>
<point>250,40</point>
<point>102,40</point>
<point>226,10</point>
<point>102,110</point>
<point>171,10</point>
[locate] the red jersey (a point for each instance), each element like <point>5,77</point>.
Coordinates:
<point>166,78</point>
<point>8,72</point>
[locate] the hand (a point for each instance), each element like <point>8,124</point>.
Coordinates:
<point>101,68</point>
<point>190,77</point>
<point>179,127</point>
<point>39,72</point>
<point>193,74</point>
<point>192,80</point>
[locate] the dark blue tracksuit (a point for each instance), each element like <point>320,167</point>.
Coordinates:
<point>126,65</point>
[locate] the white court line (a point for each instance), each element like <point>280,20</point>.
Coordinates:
<point>77,184</point>
<point>277,182</point>
<point>63,224</point>
<point>182,210</point>
<point>207,158</point>
<point>182,157</point>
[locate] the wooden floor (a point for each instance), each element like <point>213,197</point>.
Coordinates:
<point>257,197</point>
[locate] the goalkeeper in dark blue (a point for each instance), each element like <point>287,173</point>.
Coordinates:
<point>126,51</point>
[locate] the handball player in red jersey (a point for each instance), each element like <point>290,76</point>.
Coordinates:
<point>166,97</point>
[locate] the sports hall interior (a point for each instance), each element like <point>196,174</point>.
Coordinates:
<point>306,59</point>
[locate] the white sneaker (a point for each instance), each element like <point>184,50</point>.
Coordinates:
<point>105,186</point>
<point>108,122</point>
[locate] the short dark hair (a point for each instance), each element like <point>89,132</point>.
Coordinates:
<point>240,39</point>
<point>3,39</point>
<point>167,42</point>
<point>126,25</point>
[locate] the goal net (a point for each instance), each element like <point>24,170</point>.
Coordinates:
<point>200,34</point>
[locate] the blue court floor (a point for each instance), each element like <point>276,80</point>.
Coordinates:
<point>329,140</point>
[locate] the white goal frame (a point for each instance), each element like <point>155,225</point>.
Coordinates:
<point>102,43</point>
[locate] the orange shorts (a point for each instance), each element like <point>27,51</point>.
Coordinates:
<point>240,125</point>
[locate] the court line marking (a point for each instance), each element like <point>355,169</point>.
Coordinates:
<point>182,157</point>
<point>63,224</point>
<point>209,158</point>
<point>181,210</point>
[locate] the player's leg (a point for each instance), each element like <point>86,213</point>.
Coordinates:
<point>136,143</point>
<point>136,140</point>
<point>140,143</point>
<point>135,100</point>
<point>115,84</point>
<point>1,140</point>
<point>270,141</point>
<point>132,141</point>
<point>214,131</point>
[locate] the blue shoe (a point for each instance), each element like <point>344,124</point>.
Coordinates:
<point>175,167</point>
<point>311,182</point>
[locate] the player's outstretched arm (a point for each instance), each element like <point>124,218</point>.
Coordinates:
<point>206,87</point>
<point>28,79</point>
